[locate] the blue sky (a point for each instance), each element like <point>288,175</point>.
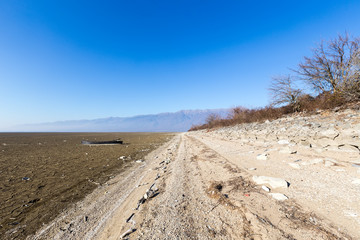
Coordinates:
<point>62,60</point>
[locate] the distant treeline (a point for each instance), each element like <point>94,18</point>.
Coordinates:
<point>332,74</point>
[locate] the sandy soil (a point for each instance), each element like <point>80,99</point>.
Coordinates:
<point>200,187</point>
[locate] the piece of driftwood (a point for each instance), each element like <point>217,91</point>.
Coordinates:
<point>129,218</point>
<point>148,194</point>
<point>128,232</point>
<point>101,142</point>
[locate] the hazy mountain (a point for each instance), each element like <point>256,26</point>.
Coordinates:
<point>163,122</point>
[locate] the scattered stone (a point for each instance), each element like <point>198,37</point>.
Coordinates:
<point>279,196</point>
<point>139,161</point>
<point>356,181</point>
<point>305,143</point>
<point>287,150</point>
<point>355,165</point>
<point>350,214</point>
<point>283,142</point>
<point>329,163</point>
<point>272,181</point>
<point>294,165</point>
<point>265,188</point>
<point>319,150</point>
<point>329,133</point>
<point>314,161</point>
<point>340,170</point>
<point>262,157</point>
<point>122,158</point>
<point>252,169</point>
<point>349,148</point>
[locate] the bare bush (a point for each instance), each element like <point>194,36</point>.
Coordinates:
<point>332,68</point>
<point>283,91</point>
<point>351,88</point>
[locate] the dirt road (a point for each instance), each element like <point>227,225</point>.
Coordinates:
<point>197,187</point>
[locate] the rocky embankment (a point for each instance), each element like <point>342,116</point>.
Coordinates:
<point>324,132</point>
<point>313,160</point>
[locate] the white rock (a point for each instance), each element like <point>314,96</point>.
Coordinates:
<point>330,133</point>
<point>279,196</point>
<point>314,161</point>
<point>283,142</point>
<point>329,163</point>
<point>356,181</point>
<point>287,150</point>
<point>350,214</point>
<point>262,157</point>
<point>319,150</point>
<point>273,182</point>
<point>265,188</point>
<point>294,165</point>
<point>340,170</point>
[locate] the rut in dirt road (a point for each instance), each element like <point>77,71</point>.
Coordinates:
<point>183,210</point>
<point>205,196</point>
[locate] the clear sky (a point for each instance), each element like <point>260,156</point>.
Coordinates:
<point>68,60</point>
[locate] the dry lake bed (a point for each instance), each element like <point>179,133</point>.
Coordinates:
<point>41,174</point>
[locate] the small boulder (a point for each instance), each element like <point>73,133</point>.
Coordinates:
<point>314,161</point>
<point>262,157</point>
<point>279,196</point>
<point>294,165</point>
<point>356,181</point>
<point>329,133</point>
<point>283,142</point>
<point>329,163</point>
<point>265,188</point>
<point>287,150</point>
<point>272,181</point>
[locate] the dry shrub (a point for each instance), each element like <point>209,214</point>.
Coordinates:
<point>323,101</point>
<point>306,102</point>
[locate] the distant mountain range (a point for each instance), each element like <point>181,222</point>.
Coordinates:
<point>164,122</point>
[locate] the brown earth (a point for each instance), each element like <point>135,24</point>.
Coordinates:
<point>41,174</point>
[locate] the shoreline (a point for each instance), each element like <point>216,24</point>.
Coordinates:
<point>84,219</point>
